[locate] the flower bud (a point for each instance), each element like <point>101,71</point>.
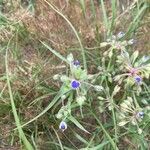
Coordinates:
<point>116,90</point>
<point>120,35</point>
<point>80,100</point>
<point>76,63</point>
<point>59,115</point>
<point>63,97</point>
<point>122,123</point>
<point>140,114</point>
<point>56,77</point>
<point>98,88</point>
<point>104,44</point>
<point>131,42</point>
<point>63,78</point>
<point>70,58</point>
<point>140,131</point>
<point>63,126</point>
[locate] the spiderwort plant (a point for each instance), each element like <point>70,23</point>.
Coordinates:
<point>134,69</point>
<point>78,82</point>
<point>116,43</point>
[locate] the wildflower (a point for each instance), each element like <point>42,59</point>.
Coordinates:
<point>75,84</point>
<point>138,79</point>
<point>140,114</point>
<point>62,126</point>
<point>120,34</point>
<point>76,63</point>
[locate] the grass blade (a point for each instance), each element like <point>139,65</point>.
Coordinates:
<point>82,2</point>
<point>136,20</point>
<point>106,133</point>
<point>55,52</point>
<point>106,22</point>
<point>74,30</point>
<point>72,119</point>
<point>114,11</point>
<point>51,104</point>
<point>17,121</point>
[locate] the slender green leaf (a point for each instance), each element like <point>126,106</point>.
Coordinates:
<point>55,52</point>
<point>72,119</point>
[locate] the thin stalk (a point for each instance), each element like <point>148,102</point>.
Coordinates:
<point>113,113</point>
<point>114,11</point>
<point>17,121</point>
<point>106,22</point>
<point>74,30</point>
<point>114,146</point>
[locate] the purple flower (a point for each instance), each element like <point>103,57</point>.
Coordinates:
<point>76,63</point>
<point>138,79</point>
<point>63,126</point>
<point>75,84</point>
<point>140,114</point>
<point>120,34</point>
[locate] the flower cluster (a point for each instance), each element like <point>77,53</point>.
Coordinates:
<point>116,42</point>
<point>134,69</point>
<point>78,82</point>
<point>130,113</point>
<point>118,74</point>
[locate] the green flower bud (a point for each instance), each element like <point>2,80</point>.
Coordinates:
<point>59,115</point>
<point>63,78</point>
<point>122,123</point>
<point>80,100</point>
<point>116,90</point>
<point>70,58</point>
<point>140,131</point>
<point>98,88</point>
<point>56,77</point>
<point>63,97</point>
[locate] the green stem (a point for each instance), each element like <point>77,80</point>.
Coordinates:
<point>106,133</point>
